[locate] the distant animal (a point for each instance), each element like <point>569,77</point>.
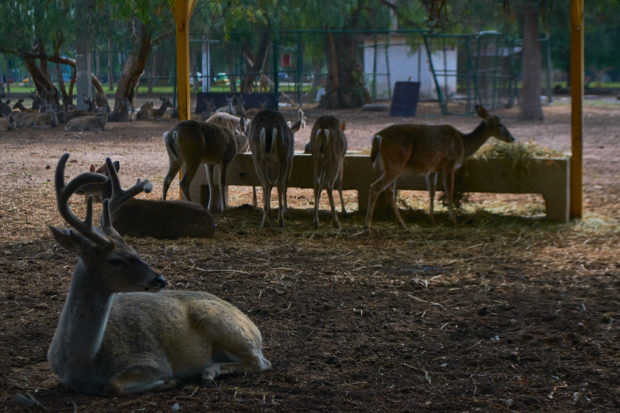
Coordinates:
<point>427,149</point>
<point>229,107</point>
<point>7,123</point>
<point>328,145</point>
<point>19,105</point>
<point>272,143</point>
<point>118,333</point>
<point>35,119</point>
<point>206,113</point>
<point>94,122</point>
<point>5,108</point>
<point>148,112</point>
<point>191,143</point>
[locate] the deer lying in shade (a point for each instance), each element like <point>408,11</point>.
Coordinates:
<point>149,217</point>
<point>95,122</point>
<point>144,339</point>
<point>428,149</point>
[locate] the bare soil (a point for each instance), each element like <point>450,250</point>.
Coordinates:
<point>503,312</point>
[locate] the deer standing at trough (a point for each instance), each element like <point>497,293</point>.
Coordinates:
<point>328,145</point>
<point>150,217</point>
<point>191,143</point>
<point>272,142</point>
<point>427,149</point>
<point>142,339</point>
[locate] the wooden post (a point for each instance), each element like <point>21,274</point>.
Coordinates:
<point>576,91</point>
<point>182,11</point>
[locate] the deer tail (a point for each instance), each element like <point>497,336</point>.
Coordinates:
<point>170,140</point>
<point>375,157</point>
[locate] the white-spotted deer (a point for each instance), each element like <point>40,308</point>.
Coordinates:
<point>272,142</point>
<point>143,339</point>
<point>94,122</point>
<point>328,145</point>
<point>427,149</point>
<point>191,143</point>
<point>149,217</point>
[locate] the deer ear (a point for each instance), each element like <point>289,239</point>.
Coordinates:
<point>117,165</point>
<point>482,112</point>
<point>70,240</point>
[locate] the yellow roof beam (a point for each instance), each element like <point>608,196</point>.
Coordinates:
<point>182,11</point>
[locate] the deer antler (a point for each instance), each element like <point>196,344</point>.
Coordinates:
<point>119,196</point>
<point>64,192</point>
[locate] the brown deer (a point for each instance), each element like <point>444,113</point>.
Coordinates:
<point>328,145</point>
<point>149,217</point>
<point>7,123</point>
<point>95,122</point>
<point>229,107</point>
<point>191,143</point>
<point>428,149</point>
<point>148,112</point>
<point>19,105</point>
<point>35,119</point>
<point>272,142</point>
<point>143,339</point>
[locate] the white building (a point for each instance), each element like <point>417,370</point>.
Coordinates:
<point>407,63</point>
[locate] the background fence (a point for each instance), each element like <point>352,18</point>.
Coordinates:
<point>457,71</point>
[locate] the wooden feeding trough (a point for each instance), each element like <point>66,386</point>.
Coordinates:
<point>546,176</point>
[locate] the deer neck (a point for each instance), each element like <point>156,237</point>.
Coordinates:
<point>474,140</point>
<point>84,317</point>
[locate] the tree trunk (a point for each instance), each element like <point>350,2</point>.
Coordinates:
<point>132,70</point>
<point>345,81</point>
<point>531,108</point>
<point>110,68</point>
<point>255,64</point>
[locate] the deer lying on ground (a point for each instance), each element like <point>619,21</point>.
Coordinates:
<point>35,119</point>
<point>94,122</point>
<point>229,107</point>
<point>328,145</point>
<point>19,105</point>
<point>191,143</point>
<point>148,112</point>
<point>7,123</point>
<point>148,217</point>
<point>428,149</point>
<point>144,339</point>
<point>5,107</point>
<point>272,142</point>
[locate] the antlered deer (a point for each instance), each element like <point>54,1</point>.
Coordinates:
<point>149,217</point>
<point>428,149</point>
<point>328,145</point>
<point>144,339</point>
<point>191,143</point>
<point>272,142</point>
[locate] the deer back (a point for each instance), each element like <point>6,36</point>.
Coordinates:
<point>328,145</point>
<point>234,124</point>
<point>272,143</point>
<point>198,142</point>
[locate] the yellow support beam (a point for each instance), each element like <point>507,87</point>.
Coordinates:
<point>576,91</point>
<point>182,11</point>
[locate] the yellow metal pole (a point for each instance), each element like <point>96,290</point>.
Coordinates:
<point>576,91</point>
<point>182,11</point>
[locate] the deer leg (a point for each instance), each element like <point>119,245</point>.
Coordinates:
<point>339,186</point>
<point>173,169</point>
<point>376,188</point>
<point>139,379</point>
<point>317,198</point>
<point>448,185</point>
<point>390,194</point>
<point>431,183</point>
<point>330,194</point>
<point>281,202</point>
<point>223,189</point>
<point>254,200</point>
<point>186,179</point>
<point>210,169</point>
<point>266,204</point>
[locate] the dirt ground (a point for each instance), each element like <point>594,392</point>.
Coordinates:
<point>503,312</point>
